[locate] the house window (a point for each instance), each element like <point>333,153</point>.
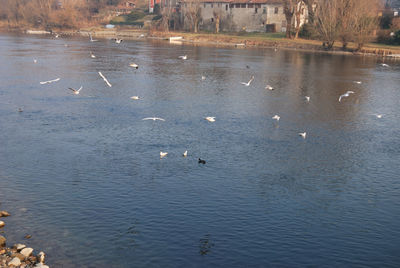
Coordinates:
<point>264,10</point>
<point>205,5</point>
<point>250,5</point>
<point>243,5</point>
<point>276,10</point>
<point>255,10</point>
<point>212,5</point>
<point>231,5</point>
<point>219,4</point>
<point>226,7</point>
<point>237,5</point>
<point>258,5</point>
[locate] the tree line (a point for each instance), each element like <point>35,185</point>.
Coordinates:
<point>51,13</point>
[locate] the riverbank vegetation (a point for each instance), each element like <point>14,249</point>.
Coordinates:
<point>348,24</point>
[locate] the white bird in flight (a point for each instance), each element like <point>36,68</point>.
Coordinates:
<point>76,91</point>
<point>276,117</point>
<point>135,98</point>
<point>50,81</point>
<point>358,82</point>
<point>269,87</point>
<point>105,79</point>
<point>303,134</point>
<point>248,83</point>
<point>134,65</point>
<point>378,115</point>
<point>153,118</point>
<point>185,154</point>
<point>210,118</point>
<point>184,57</point>
<point>307,98</point>
<point>91,38</point>
<point>347,94</point>
<point>162,154</point>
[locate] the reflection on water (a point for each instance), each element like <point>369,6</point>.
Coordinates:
<point>82,173</point>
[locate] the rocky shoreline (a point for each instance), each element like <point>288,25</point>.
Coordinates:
<point>18,255</point>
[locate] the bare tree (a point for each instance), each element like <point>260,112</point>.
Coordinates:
<point>192,14</point>
<point>217,18</point>
<point>328,21</point>
<point>299,9</point>
<point>289,7</point>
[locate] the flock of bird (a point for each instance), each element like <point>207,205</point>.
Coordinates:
<point>208,118</point>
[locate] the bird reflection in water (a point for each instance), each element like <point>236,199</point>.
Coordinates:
<point>205,245</point>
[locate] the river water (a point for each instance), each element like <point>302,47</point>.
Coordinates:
<point>82,173</point>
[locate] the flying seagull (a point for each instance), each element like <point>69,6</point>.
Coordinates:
<point>303,134</point>
<point>105,79</point>
<point>134,65</point>
<point>345,95</point>
<point>276,117</point>
<point>358,82</point>
<point>76,91</point>
<point>153,118</point>
<point>307,98</point>
<point>248,83</point>
<point>378,115</point>
<point>162,154</point>
<point>269,87</point>
<point>50,81</point>
<point>185,154</point>
<point>210,118</point>
<point>184,57</point>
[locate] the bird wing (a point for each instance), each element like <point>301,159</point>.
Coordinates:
<point>158,118</point>
<point>148,118</point>
<point>340,97</point>
<point>74,90</point>
<point>243,83</point>
<point>80,88</point>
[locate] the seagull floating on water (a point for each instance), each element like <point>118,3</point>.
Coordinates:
<point>210,118</point>
<point>92,55</point>
<point>276,117</point>
<point>248,83</point>
<point>307,98</point>
<point>185,154</point>
<point>20,110</point>
<point>34,60</point>
<point>105,79</point>
<point>384,65</point>
<point>269,87</point>
<point>184,57</point>
<point>117,41</point>
<point>203,77</point>
<point>378,115</point>
<point>134,65</point>
<point>135,98</point>
<point>91,38</point>
<point>201,161</point>
<point>56,36</point>
<point>347,94</point>
<point>303,134</point>
<point>153,118</point>
<point>162,154</point>
<point>50,81</point>
<point>358,82</point>
<point>76,91</point>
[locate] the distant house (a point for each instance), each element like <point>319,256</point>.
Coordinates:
<point>241,15</point>
<point>125,7</point>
